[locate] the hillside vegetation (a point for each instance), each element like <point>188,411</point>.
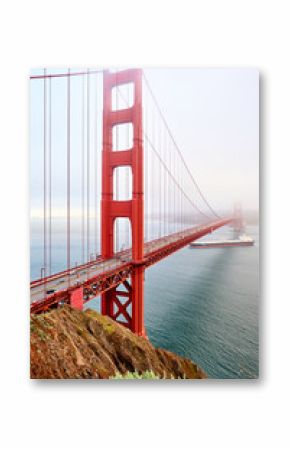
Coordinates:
<point>69,344</point>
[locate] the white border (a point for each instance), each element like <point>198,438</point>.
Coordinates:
<point>209,33</point>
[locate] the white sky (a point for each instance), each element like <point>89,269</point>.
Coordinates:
<point>212,113</point>
<point>214,116</point>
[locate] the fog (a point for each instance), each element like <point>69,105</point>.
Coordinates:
<point>213,115</point>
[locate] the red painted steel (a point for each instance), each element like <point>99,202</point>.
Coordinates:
<point>133,209</point>
<point>181,241</point>
<point>62,273</point>
<point>121,287</point>
<point>91,288</point>
<point>76,298</point>
<point>112,278</point>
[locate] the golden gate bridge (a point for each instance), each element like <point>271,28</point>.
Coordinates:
<point>139,201</point>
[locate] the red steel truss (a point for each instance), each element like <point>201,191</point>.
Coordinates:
<point>118,278</point>
<point>132,209</point>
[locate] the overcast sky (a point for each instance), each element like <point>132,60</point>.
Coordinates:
<point>213,115</point>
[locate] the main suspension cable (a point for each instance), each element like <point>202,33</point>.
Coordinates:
<point>167,172</point>
<point>173,179</point>
<point>177,148</point>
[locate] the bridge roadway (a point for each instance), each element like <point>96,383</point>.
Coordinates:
<point>155,250</point>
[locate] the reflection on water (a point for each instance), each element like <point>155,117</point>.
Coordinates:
<point>199,303</point>
<point>203,304</point>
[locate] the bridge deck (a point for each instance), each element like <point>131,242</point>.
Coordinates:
<point>58,285</point>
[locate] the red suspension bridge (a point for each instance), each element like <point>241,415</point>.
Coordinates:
<point>138,201</point>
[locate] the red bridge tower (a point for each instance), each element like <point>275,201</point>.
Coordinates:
<point>117,303</point>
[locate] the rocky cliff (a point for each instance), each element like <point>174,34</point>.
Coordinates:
<point>69,344</point>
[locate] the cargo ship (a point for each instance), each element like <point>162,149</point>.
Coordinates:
<point>243,240</point>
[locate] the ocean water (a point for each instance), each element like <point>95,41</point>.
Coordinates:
<point>203,304</point>
<point>200,303</point>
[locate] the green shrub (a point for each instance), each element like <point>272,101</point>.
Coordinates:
<point>149,375</point>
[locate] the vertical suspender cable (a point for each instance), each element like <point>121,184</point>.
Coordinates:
<point>159,183</point>
<point>117,228</point>
<point>163,183</point>
<point>166,187</point>
<point>145,131</point>
<point>88,166</point>
<point>177,197</point>
<point>83,172</point>
<point>127,175</point>
<point>44,176</point>
<point>181,200</point>
<point>170,209</point>
<point>96,167</point>
<point>152,180</point>
<point>171,189</point>
<point>50,186</point>
<point>179,151</point>
<point>68,171</point>
<point>174,193</point>
<point>180,210</point>
<point>148,177</point>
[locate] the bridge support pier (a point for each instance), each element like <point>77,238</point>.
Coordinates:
<point>138,302</point>
<point>76,298</point>
<point>107,304</point>
<point>127,303</point>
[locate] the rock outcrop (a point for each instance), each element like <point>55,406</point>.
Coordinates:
<point>69,344</point>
